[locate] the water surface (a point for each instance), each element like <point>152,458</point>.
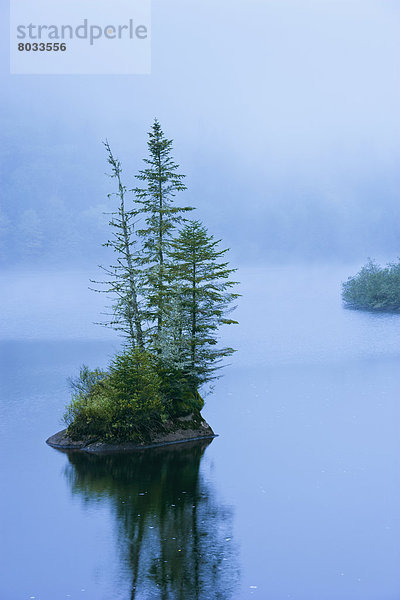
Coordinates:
<point>299,496</point>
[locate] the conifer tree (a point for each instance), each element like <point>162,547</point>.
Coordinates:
<point>203,290</point>
<point>171,292</point>
<point>124,276</point>
<point>161,182</point>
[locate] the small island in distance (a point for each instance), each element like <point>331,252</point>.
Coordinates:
<point>170,285</point>
<point>374,288</point>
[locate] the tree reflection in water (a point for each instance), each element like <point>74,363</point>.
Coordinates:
<point>172,532</point>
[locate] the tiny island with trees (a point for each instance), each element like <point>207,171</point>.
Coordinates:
<point>374,288</point>
<point>172,290</point>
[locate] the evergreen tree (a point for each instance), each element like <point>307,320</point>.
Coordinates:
<point>203,292</point>
<point>171,294</point>
<point>161,183</point>
<point>124,275</point>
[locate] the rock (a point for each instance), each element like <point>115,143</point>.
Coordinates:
<point>176,433</point>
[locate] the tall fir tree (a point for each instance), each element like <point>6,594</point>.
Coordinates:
<point>203,292</point>
<point>161,182</point>
<point>123,281</point>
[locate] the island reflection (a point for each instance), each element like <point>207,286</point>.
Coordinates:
<point>172,533</point>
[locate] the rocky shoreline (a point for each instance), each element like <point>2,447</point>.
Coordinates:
<point>176,433</point>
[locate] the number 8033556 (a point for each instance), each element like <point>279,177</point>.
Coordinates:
<point>42,47</point>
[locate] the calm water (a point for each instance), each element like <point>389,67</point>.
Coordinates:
<point>298,498</point>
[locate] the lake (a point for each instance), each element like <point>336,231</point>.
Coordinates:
<point>298,498</point>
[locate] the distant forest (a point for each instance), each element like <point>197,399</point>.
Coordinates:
<point>51,211</point>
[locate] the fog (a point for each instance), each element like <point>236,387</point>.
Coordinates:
<point>285,120</point>
<point>284,116</point>
<point>288,315</point>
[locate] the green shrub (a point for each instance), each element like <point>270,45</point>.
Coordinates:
<point>374,288</point>
<point>123,404</point>
<point>90,416</point>
<point>84,383</point>
<point>136,392</point>
<point>83,414</point>
<point>179,392</point>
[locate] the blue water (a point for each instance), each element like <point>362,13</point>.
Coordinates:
<point>298,498</point>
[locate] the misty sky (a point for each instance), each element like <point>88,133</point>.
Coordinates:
<point>285,119</point>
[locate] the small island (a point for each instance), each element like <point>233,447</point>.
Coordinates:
<point>170,286</point>
<point>374,288</point>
